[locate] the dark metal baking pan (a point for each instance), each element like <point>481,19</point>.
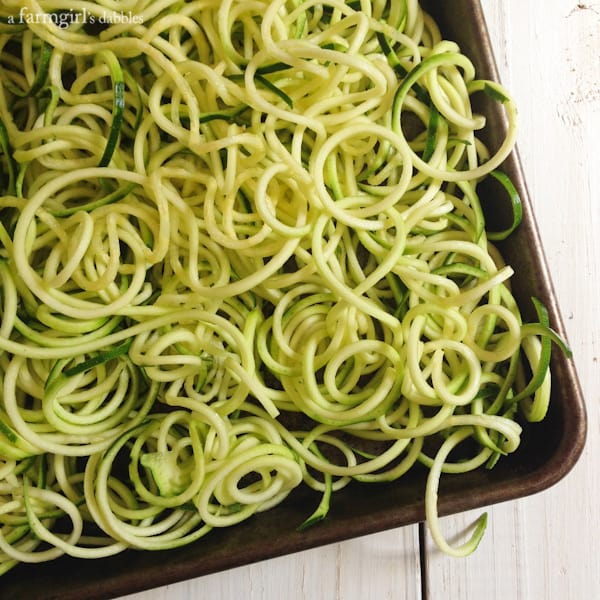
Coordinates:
<point>547,453</point>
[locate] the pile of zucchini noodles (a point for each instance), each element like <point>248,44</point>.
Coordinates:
<point>242,251</point>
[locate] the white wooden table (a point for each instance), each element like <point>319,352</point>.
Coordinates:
<point>547,546</point>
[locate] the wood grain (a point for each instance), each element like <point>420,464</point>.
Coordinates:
<point>382,566</point>
<point>546,546</point>
<point>548,53</point>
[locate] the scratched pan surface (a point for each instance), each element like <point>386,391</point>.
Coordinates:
<point>548,450</point>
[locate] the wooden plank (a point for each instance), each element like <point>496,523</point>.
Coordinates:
<point>375,567</point>
<point>548,55</point>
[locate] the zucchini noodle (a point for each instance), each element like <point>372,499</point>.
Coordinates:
<point>243,250</point>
